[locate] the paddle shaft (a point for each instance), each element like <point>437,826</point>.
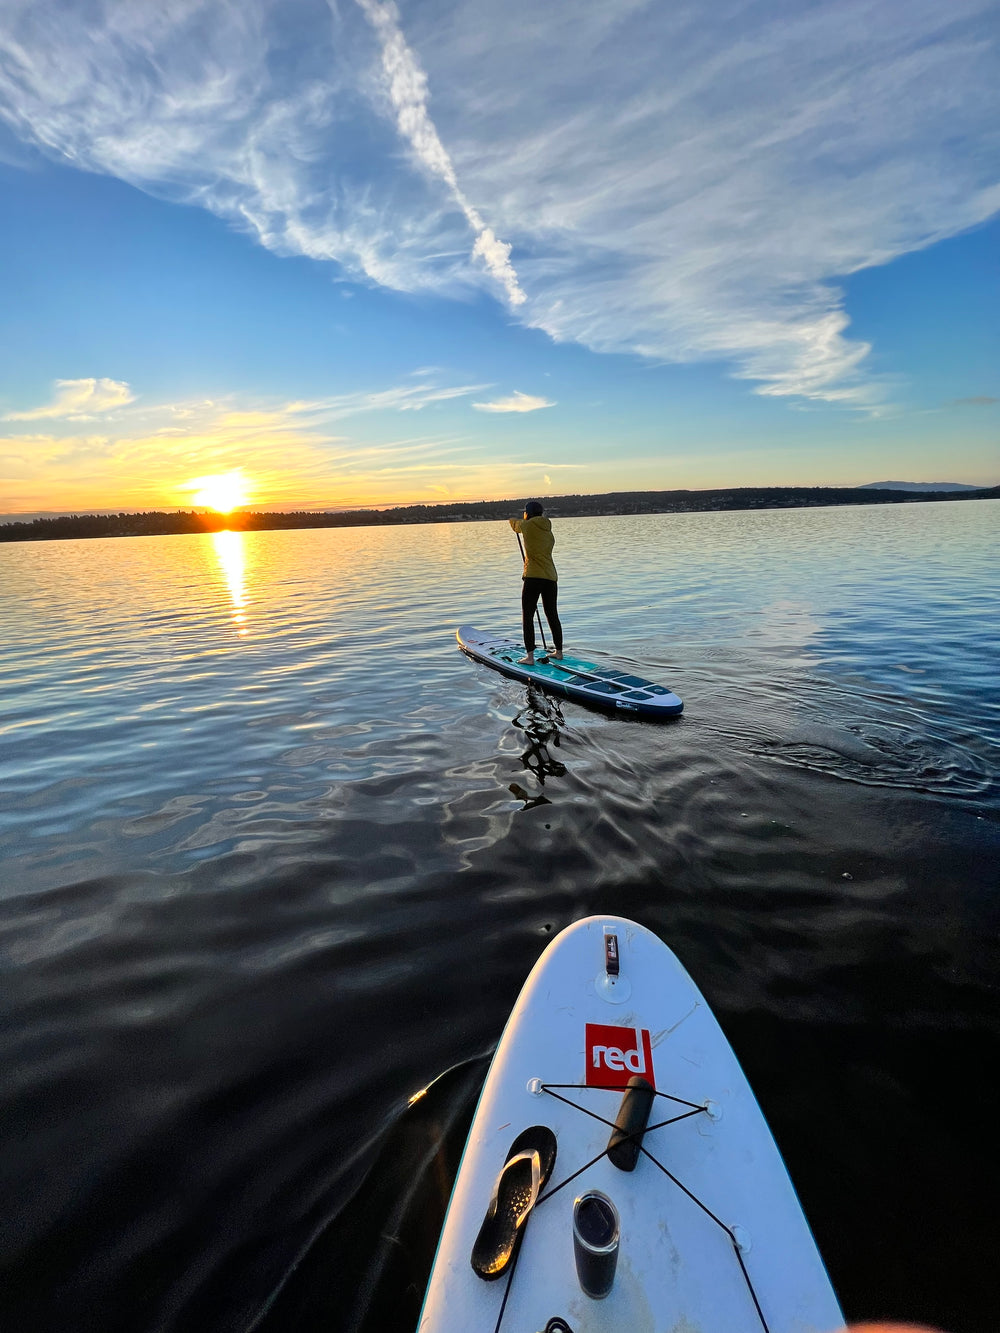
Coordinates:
<point>538,614</point>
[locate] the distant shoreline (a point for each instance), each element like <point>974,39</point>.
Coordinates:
<point>158,524</point>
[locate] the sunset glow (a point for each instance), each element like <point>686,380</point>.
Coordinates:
<point>223,493</point>
<point>229,552</point>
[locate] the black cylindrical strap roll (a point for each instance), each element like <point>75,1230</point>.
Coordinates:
<point>633,1117</point>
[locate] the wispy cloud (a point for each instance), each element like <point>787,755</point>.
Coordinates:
<point>83,400</point>
<point>682,182</point>
<point>980,400</point>
<point>79,400</point>
<point>407,84</point>
<point>517,402</point>
<point>398,398</point>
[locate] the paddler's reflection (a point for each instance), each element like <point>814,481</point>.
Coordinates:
<point>541,720</point>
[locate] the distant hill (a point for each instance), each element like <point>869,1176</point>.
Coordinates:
<point>917,486</point>
<point>480,511</point>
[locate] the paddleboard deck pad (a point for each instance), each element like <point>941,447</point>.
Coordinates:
<point>584,682</point>
<point>711,1235</point>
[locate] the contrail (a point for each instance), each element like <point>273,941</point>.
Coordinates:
<point>408,91</point>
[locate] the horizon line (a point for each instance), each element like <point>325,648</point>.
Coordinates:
<point>40,515</point>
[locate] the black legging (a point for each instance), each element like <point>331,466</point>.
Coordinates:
<point>548,590</point>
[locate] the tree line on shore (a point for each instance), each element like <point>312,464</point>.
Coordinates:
<point>563,506</point>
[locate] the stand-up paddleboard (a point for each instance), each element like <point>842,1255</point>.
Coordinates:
<point>711,1236</point>
<point>584,682</point>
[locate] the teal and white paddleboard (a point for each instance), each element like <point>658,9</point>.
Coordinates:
<point>711,1235</point>
<point>585,682</point>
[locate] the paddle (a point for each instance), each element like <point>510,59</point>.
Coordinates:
<point>578,671</point>
<point>538,614</point>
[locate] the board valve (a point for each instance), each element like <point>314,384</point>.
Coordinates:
<point>609,983</point>
<point>611,961</point>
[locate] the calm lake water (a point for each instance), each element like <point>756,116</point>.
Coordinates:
<point>276,856</point>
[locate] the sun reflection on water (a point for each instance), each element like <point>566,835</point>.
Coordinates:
<point>232,560</point>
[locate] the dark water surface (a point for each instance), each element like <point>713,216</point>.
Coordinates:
<point>276,857</point>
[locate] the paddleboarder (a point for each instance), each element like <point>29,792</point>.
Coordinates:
<point>538,580</point>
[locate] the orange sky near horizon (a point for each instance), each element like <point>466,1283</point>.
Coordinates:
<point>97,448</point>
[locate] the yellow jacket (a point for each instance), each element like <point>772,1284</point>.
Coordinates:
<point>538,544</point>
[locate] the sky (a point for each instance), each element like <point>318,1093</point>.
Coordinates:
<point>352,252</point>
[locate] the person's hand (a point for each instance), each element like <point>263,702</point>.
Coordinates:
<point>890,1328</point>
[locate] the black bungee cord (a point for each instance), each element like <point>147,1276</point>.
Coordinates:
<point>559,1325</point>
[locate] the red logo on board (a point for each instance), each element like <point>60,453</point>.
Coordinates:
<point>615,1054</point>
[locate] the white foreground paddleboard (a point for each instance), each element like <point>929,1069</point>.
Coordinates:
<point>573,677</point>
<point>718,1246</point>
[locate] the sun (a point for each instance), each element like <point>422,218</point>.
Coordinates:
<point>223,493</point>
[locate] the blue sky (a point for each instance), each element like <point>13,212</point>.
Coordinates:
<point>363,252</point>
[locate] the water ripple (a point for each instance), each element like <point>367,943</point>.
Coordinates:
<point>277,855</point>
